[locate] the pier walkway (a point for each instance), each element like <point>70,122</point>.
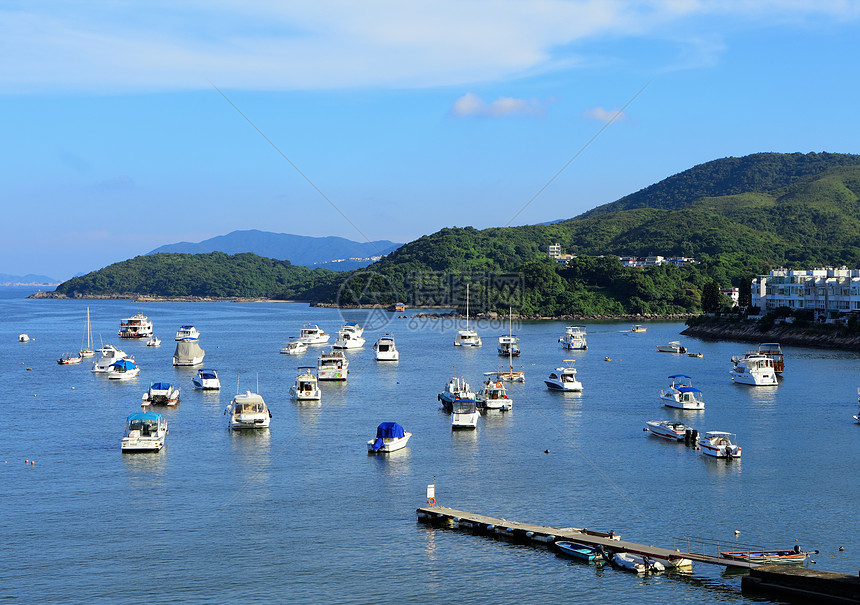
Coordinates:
<point>543,535</point>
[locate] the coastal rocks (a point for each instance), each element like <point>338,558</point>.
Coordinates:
<point>813,335</point>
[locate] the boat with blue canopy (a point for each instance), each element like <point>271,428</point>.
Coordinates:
<point>123,369</point>
<point>390,437</point>
<point>681,394</point>
<point>145,432</point>
<point>161,393</point>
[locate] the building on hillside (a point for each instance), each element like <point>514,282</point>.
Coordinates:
<point>827,292</point>
<point>733,294</point>
<point>554,250</point>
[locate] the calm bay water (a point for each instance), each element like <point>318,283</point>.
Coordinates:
<point>301,513</point>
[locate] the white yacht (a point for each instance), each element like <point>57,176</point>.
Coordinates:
<point>349,337</point>
<point>385,349</point>
<point>109,354</point>
<point>295,346</point>
<point>390,437</point>
<point>457,388</point>
<point>306,387</point>
<point>493,395</point>
<point>87,350</point>
<point>467,337</point>
<point>206,379</point>
<point>681,395</point>
<point>755,370</point>
<point>564,378</point>
<point>332,365</point>
<point>312,334</point>
<point>719,444</point>
<point>667,429</point>
<point>136,326</point>
<point>464,414</point>
<point>23,338</point>
<point>187,333</point>
<point>248,411</point>
<point>144,432</point>
<point>161,393</point>
<point>155,341</point>
<point>123,369</point>
<point>509,345</point>
<point>674,346</point>
<point>574,338</point>
<point>188,353</point>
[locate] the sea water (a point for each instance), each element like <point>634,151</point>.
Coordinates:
<point>302,513</point>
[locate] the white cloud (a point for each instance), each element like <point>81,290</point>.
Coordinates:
<point>603,115</point>
<point>471,105</point>
<point>110,46</point>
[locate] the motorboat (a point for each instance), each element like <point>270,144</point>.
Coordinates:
<point>109,354</point>
<point>23,338</point>
<point>386,349</point>
<point>390,437</point>
<point>349,337</point>
<point>574,338</point>
<point>155,341</point>
<point>564,378</point>
<point>577,550</point>
<point>674,346</point>
<point>509,345</point>
<point>667,429</point>
<point>144,432</point>
<point>161,393</point>
<point>306,387</point>
<point>637,328</point>
<point>87,350</point>
<point>295,346</point>
<point>857,416</point>
<point>681,395</point>
<point>123,369</point>
<point>464,414</point>
<point>136,326</point>
<point>332,365</point>
<point>206,379</point>
<point>188,353</point>
<point>794,556</point>
<point>248,411</point>
<point>493,395</point>
<point>719,444</point>
<point>457,388</point>
<point>637,563</point>
<point>187,333</point>
<point>467,337</point>
<point>768,349</point>
<point>68,359</point>
<point>755,370</point>
<point>312,334</point>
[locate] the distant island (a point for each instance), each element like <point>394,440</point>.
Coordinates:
<point>27,280</point>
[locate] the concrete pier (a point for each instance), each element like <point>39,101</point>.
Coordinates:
<point>803,585</point>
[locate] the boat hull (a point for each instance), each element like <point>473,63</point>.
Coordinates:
<point>666,431</point>
<point>572,387</point>
<point>784,557</point>
<point>576,550</point>
<point>390,445</point>
<point>142,445</point>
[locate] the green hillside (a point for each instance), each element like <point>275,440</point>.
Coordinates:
<point>736,216</point>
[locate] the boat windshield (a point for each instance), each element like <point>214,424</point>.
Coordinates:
<point>249,408</point>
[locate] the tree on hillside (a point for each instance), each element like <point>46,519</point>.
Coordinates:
<point>711,297</point>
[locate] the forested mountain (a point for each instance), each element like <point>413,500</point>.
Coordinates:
<point>737,217</point>
<point>330,252</point>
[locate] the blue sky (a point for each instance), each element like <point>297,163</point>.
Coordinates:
<point>407,116</point>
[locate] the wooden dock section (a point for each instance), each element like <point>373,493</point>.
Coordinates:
<point>547,536</point>
<point>803,585</point>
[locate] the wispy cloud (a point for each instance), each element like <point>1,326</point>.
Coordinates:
<point>268,45</point>
<point>471,105</point>
<point>603,115</point>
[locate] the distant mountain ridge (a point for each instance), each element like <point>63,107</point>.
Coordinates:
<point>27,280</point>
<point>331,252</point>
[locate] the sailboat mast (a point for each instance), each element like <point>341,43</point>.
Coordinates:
<point>467,306</point>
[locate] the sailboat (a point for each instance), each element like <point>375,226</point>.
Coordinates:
<point>467,337</point>
<point>510,375</point>
<point>88,351</point>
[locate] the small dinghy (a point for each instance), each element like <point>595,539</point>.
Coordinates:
<point>637,563</point>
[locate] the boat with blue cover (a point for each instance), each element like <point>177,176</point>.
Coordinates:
<point>144,432</point>
<point>123,369</point>
<point>161,393</point>
<point>390,437</point>
<point>681,394</point>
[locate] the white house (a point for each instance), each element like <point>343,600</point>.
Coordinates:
<point>827,291</point>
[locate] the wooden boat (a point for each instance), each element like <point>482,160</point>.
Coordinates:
<point>576,550</point>
<point>794,556</point>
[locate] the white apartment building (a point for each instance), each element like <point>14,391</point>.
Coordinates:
<point>827,291</point>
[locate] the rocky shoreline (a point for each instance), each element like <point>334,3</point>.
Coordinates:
<point>808,335</point>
